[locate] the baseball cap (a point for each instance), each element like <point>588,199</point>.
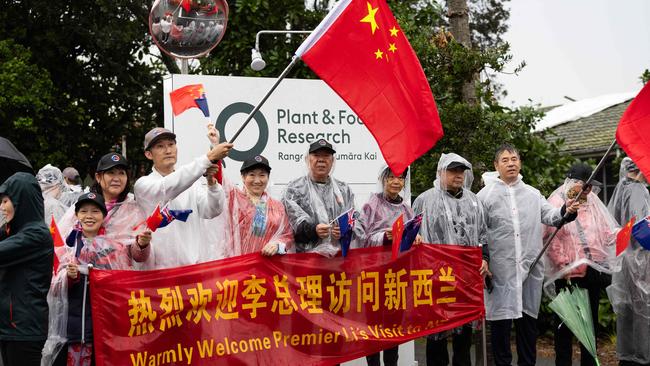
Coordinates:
<point>93,198</point>
<point>457,164</point>
<point>257,161</point>
<point>321,144</point>
<point>112,160</point>
<point>582,171</point>
<point>156,134</point>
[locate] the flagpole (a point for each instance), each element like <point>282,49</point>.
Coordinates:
<point>293,62</point>
<point>566,214</point>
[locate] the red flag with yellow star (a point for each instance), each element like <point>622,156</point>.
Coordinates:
<point>360,51</point>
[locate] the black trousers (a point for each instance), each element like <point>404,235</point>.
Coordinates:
<point>17,353</point>
<point>437,354</point>
<point>526,337</point>
<point>630,363</point>
<point>593,282</point>
<point>390,357</point>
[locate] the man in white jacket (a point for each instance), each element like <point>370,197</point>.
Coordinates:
<point>180,243</point>
<point>515,213</point>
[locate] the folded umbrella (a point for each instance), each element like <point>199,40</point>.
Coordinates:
<point>573,308</point>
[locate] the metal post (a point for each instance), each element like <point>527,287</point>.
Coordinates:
<point>294,60</point>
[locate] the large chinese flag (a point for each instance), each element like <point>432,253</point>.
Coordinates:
<point>633,132</point>
<point>360,51</point>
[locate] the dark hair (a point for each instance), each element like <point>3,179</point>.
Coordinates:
<point>505,147</point>
<point>256,166</point>
<point>97,188</point>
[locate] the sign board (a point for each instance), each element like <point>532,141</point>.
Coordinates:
<point>298,112</point>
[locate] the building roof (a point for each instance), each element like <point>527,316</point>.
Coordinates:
<point>581,108</point>
<point>591,134</point>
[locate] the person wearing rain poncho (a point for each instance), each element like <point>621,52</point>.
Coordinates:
<point>112,183</point>
<point>452,214</point>
<point>69,297</point>
<point>182,188</point>
<point>515,213</point>
<point>72,179</point>
<point>257,222</point>
<point>629,292</point>
<point>56,193</point>
<point>315,200</point>
<point>25,272</point>
<point>377,218</point>
<point>582,252</point>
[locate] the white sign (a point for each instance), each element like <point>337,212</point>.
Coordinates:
<point>296,114</point>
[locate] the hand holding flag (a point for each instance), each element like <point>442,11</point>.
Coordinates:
<point>163,217</point>
<point>213,136</point>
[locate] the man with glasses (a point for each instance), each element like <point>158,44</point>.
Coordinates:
<point>315,200</point>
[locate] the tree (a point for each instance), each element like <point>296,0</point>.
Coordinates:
<point>105,77</point>
<point>105,81</point>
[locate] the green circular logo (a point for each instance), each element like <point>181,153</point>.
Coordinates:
<point>258,117</point>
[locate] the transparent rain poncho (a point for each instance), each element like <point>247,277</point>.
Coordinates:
<point>379,213</point>
<point>589,240</point>
<point>100,252</point>
<point>515,214</point>
<point>57,196</point>
<point>448,219</point>
<point>307,201</point>
<point>629,292</point>
<point>252,226</point>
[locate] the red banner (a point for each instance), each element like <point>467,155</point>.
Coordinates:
<point>299,309</point>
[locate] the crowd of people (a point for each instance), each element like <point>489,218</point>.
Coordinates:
<point>507,218</point>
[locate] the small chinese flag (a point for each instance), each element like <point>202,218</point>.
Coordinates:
<point>623,236</point>
<point>189,96</point>
<point>360,51</point>
<point>58,241</point>
<point>398,230</point>
<point>633,129</point>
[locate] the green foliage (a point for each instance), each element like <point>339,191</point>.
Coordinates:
<point>93,76</point>
<point>645,77</point>
<point>233,55</point>
<point>475,131</point>
<point>103,81</point>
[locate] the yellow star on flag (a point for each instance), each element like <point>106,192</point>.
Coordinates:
<point>370,18</point>
<point>393,31</point>
<point>392,48</point>
<point>379,54</point>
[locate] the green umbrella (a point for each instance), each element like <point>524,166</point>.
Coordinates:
<point>573,308</point>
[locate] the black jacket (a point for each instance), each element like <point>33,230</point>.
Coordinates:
<point>26,254</point>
